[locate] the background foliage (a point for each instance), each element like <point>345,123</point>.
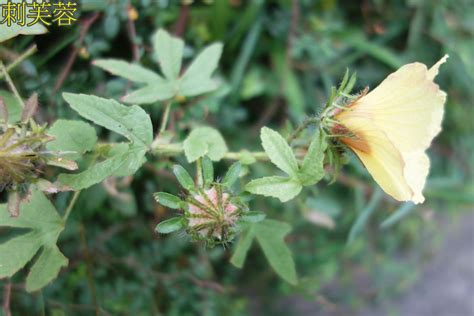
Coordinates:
<point>279,61</point>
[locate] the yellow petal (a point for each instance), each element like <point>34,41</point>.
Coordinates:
<point>407,106</point>
<point>381,158</point>
<point>417,167</point>
<point>433,72</point>
<point>401,116</point>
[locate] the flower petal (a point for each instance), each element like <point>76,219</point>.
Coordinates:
<point>417,167</point>
<point>381,158</point>
<point>407,106</point>
<point>397,122</point>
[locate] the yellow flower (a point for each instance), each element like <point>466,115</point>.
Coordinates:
<point>391,127</point>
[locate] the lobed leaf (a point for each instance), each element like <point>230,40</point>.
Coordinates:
<point>132,122</point>
<point>169,53</point>
<point>151,94</point>
<point>44,226</point>
<point>270,235</point>
<point>122,164</point>
<point>197,78</point>
<point>132,72</point>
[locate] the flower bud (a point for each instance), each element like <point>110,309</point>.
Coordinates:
<point>18,156</point>
<point>212,215</point>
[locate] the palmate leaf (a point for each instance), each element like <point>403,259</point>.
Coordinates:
<point>197,78</point>
<point>132,122</point>
<point>7,32</point>
<point>270,235</point>
<point>44,225</point>
<point>281,155</point>
<point>132,72</point>
<point>168,51</point>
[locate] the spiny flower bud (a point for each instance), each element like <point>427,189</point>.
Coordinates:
<point>211,214</point>
<point>18,156</point>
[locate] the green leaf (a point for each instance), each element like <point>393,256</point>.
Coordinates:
<point>44,225</point>
<point>122,164</point>
<point>232,174</point>
<point>13,107</point>
<point>243,245</point>
<point>151,94</point>
<point>205,141</point>
<point>130,121</point>
<point>312,169</point>
<point>168,200</point>
<point>7,32</point>
<point>75,136</point>
<point>169,53</point>
<point>279,151</point>
<point>364,215</point>
<point>170,225</point>
<point>207,170</point>
<point>270,235</point>
<point>183,177</point>
<point>282,188</point>
<point>197,78</point>
<point>132,72</point>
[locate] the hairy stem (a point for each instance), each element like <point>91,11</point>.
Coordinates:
<point>11,84</point>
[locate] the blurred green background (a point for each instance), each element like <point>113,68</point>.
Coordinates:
<point>280,60</point>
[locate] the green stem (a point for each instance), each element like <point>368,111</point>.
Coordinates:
<point>33,49</point>
<point>71,205</point>
<point>166,115</point>
<point>302,127</point>
<point>176,149</point>
<point>11,84</point>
